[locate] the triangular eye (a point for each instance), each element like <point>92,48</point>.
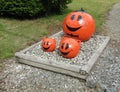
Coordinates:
<point>79,18</point>
<point>72,17</point>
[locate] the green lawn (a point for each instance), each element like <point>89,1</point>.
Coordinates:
<point>16,34</point>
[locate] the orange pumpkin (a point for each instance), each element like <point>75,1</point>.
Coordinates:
<point>48,44</point>
<point>79,24</point>
<point>69,47</point>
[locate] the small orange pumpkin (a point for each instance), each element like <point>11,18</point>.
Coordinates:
<point>48,44</point>
<point>79,24</point>
<point>69,47</point>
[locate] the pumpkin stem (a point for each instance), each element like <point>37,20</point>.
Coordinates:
<point>82,10</point>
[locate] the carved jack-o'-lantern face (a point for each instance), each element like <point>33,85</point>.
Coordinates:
<point>48,44</point>
<point>79,24</point>
<point>69,47</point>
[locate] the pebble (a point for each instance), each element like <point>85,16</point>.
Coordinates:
<point>85,53</point>
<point>91,82</point>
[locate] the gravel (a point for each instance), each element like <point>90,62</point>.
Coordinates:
<point>107,69</point>
<point>87,50</point>
<point>22,78</point>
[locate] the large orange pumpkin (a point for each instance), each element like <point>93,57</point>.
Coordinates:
<point>69,47</point>
<point>48,44</point>
<point>79,24</point>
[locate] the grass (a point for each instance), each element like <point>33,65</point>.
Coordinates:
<point>17,34</point>
<point>97,8</point>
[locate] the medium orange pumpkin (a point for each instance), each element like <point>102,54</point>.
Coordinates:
<point>79,24</point>
<point>48,44</point>
<point>69,47</point>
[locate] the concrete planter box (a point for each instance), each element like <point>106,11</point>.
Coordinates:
<point>80,70</point>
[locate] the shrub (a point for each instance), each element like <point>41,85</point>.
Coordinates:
<point>21,8</point>
<point>55,6</point>
<point>31,8</point>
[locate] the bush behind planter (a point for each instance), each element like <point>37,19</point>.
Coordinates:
<point>55,6</point>
<point>21,8</point>
<point>31,8</point>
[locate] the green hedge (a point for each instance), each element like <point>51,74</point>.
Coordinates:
<point>31,8</point>
<point>21,8</point>
<point>55,6</point>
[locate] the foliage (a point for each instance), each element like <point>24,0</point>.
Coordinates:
<point>31,8</point>
<point>55,6</point>
<point>20,8</point>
